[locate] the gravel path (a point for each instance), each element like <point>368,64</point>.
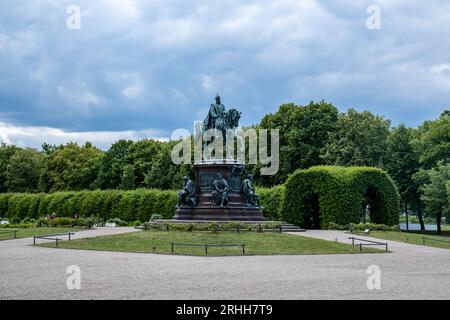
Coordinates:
<point>410,272</point>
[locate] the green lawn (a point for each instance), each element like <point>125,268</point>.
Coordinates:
<point>30,232</point>
<point>414,237</point>
<point>255,243</point>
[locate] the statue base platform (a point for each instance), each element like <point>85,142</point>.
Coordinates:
<point>208,213</point>
<point>237,210</point>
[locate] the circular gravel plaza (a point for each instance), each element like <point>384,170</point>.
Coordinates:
<point>408,272</point>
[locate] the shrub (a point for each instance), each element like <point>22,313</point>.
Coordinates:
<point>85,222</point>
<point>118,222</point>
<point>335,226</point>
<point>272,225</point>
<point>136,223</point>
<point>14,220</point>
<point>363,227</point>
<point>155,217</point>
<point>214,227</point>
<point>319,195</point>
<point>271,199</point>
<point>62,222</point>
<point>92,221</point>
<point>28,220</point>
<point>42,222</point>
<point>374,227</point>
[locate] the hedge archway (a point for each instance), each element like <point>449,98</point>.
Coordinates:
<point>319,195</point>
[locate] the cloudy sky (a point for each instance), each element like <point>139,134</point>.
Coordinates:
<point>140,69</point>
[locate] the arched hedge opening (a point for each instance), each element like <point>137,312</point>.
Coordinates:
<point>319,195</point>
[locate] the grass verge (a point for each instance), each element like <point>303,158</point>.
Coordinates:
<point>255,243</point>
<point>413,237</point>
<point>6,233</point>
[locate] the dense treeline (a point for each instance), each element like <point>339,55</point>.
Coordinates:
<point>315,134</point>
<point>418,159</point>
<point>126,165</point>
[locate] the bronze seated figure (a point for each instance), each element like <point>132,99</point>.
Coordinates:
<point>187,196</point>
<point>220,193</point>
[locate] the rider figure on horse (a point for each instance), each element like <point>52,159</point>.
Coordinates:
<point>221,120</point>
<point>216,116</point>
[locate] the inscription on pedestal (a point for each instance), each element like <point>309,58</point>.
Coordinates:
<point>206,181</point>
<point>235,178</point>
<point>235,184</point>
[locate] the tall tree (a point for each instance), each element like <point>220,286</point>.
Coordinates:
<point>48,149</point>
<point>435,193</point>
<point>402,162</point>
<point>448,193</point>
<point>141,155</point>
<point>360,139</point>
<point>128,179</point>
<point>6,152</point>
<point>304,131</point>
<point>164,174</point>
<point>72,167</point>
<point>23,171</point>
<point>112,165</point>
<point>434,141</point>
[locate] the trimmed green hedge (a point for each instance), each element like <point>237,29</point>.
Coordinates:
<point>271,199</point>
<point>336,192</point>
<point>132,205</point>
<point>363,227</point>
<point>127,205</point>
<point>319,195</point>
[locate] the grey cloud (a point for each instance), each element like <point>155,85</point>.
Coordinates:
<point>136,65</point>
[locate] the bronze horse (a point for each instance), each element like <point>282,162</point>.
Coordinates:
<point>230,121</point>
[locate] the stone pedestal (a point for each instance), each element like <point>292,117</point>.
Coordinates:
<point>205,174</point>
